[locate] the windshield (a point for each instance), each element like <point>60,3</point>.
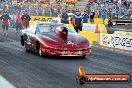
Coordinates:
<point>47,28</point>
<point>69,29</point>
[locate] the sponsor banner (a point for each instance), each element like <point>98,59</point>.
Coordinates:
<point>116,41</point>
<point>107,78</point>
<point>83,77</point>
<point>41,18</point>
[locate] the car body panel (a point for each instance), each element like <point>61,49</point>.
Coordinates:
<point>52,44</point>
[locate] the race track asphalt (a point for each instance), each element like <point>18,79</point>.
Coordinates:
<point>28,70</point>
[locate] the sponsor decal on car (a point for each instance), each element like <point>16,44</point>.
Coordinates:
<point>70,42</point>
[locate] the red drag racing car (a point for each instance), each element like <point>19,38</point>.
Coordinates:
<point>54,39</point>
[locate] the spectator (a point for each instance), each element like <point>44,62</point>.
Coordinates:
<point>85,17</point>
<point>125,4</point>
<point>78,21</point>
<point>5,22</point>
<point>110,24</point>
<point>92,16</point>
<point>103,15</point>
<point>64,17</point>
<point>18,22</point>
<point>73,21</point>
<point>25,19</point>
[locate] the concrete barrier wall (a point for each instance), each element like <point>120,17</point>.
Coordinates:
<point>91,36</point>
<point>99,21</point>
<point>92,27</point>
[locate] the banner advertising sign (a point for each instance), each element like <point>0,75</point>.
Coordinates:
<point>41,18</point>
<point>116,41</point>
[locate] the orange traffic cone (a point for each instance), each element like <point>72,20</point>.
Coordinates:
<point>97,29</point>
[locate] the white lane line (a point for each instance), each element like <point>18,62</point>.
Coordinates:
<point>4,83</point>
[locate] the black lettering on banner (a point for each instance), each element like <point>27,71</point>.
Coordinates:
<point>128,42</point>
<point>43,19</point>
<point>124,42</point>
<point>105,40</point>
<point>131,42</point>
<point>115,41</point>
<point>49,19</point>
<point>36,19</point>
<point>112,40</point>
